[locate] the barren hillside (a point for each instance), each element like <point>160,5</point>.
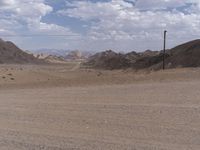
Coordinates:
<point>185,55</point>
<point>10,53</point>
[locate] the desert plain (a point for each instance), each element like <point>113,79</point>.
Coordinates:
<point>65,107</point>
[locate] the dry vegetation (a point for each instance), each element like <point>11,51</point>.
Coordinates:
<point>62,107</point>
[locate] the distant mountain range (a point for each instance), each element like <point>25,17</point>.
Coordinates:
<point>184,55</point>
<point>11,54</point>
<point>55,52</point>
<point>66,54</point>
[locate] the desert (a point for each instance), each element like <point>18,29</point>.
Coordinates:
<point>99,75</point>
<point>65,107</point>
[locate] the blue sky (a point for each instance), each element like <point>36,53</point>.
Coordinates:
<point>121,25</point>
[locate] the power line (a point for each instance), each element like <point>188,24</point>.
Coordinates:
<point>39,35</point>
<point>61,35</point>
<point>33,35</point>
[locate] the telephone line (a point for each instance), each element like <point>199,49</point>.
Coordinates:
<point>38,35</point>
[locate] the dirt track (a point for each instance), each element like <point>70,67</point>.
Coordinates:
<point>143,116</point>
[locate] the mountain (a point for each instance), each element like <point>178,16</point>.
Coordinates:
<point>112,60</point>
<point>55,59</point>
<point>108,60</point>
<point>67,54</point>
<point>184,55</point>
<point>73,55</point>
<point>46,52</point>
<point>10,53</point>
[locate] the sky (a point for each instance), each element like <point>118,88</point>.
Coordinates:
<point>96,25</point>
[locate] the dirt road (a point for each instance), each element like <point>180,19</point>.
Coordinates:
<point>146,116</point>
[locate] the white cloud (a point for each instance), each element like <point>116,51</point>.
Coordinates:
<point>116,24</point>
<point>118,21</point>
<point>18,17</point>
<point>6,2</point>
<point>24,10</point>
<point>159,4</point>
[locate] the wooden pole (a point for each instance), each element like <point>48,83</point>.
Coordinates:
<point>164,49</point>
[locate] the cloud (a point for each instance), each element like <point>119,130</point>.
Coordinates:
<point>138,24</point>
<point>4,3</point>
<point>19,17</point>
<point>24,11</point>
<point>27,13</point>
<point>115,24</point>
<point>159,4</point>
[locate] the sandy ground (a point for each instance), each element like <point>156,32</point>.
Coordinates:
<point>66,108</point>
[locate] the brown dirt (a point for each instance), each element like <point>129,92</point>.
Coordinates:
<point>65,108</point>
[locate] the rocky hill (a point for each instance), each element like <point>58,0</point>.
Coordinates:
<point>108,60</point>
<point>184,55</point>
<point>112,60</point>
<point>74,55</point>
<point>10,53</point>
<point>55,59</point>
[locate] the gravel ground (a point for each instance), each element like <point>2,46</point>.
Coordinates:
<point>142,116</point>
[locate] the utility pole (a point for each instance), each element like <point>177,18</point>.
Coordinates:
<point>164,49</point>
